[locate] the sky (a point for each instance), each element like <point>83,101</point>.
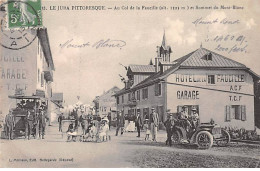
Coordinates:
<point>88,72</point>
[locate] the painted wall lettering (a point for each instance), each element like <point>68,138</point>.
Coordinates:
<point>188,94</point>
<point>13,73</point>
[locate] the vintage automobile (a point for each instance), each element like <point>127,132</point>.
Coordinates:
<point>23,105</point>
<point>204,135</point>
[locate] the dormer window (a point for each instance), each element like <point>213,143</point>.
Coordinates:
<point>209,57</point>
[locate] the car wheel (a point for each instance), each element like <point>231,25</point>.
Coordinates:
<point>204,140</point>
<point>176,137</point>
<point>225,139</point>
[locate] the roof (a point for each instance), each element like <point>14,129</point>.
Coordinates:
<point>197,59</point>
<point>44,40</point>
<point>194,60</point>
<point>142,68</point>
<point>57,97</point>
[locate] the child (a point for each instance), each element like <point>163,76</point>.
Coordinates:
<point>103,131</point>
<point>147,130</point>
<point>71,132</point>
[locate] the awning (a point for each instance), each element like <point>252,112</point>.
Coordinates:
<point>25,97</point>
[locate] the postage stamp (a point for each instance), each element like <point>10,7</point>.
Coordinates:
<point>19,21</point>
<point>24,13</point>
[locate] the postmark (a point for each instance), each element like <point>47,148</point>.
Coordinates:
<point>16,30</point>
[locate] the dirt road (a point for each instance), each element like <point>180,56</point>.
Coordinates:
<point>121,151</point>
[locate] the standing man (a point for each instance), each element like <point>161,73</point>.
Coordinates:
<point>60,122</point>
<point>154,121</point>
<point>109,119</point>
<point>120,122</point>
<point>42,122</point>
<point>169,123</point>
<point>138,123</point>
<point>29,119</point>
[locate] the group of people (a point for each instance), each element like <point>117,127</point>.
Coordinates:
<point>189,123</point>
<point>34,123</point>
<point>96,129</point>
<point>150,124</point>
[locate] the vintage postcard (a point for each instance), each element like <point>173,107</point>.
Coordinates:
<point>129,84</point>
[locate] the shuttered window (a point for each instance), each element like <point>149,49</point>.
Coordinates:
<point>228,114</point>
<point>237,112</point>
<point>42,79</point>
<point>145,93</point>
<point>138,94</point>
<point>157,89</point>
<point>243,112</point>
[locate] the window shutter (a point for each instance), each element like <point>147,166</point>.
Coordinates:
<point>42,79</point>
<point>243,112</point>
<point>239,112</point>
<point>155,89</point>
<point>227,114</point>
<point>160,89</point>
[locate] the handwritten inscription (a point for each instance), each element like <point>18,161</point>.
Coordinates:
<point>108,43</point>
<point>224,21</point>
<point>236,43</point>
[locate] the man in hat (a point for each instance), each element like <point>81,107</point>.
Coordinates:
<point>29,119</point>
<point>42,122</point>
<point>120,122</point>
<point>195,118</point>
<point>60,118</point>
<point>10,124</point>
<point>154,121</point>
<point>138,123</point>
<point>169,123</point>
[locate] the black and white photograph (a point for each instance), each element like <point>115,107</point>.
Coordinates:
<point>129,84</point>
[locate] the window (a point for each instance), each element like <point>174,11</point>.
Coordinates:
<point>133,96</point>
<point>122,99</point>
<point>42,80</point>
<point>146,113</point>
<point>38,75</point>
<point>209,57</point>
<point>129,96</point>
<point>117,100</point>
<point>211,79</point>
<point>138,94</point>
<point>237,112</point>
<point>158,89</point>
<point>145,93</point>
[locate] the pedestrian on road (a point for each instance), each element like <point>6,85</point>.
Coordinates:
<point>154,122</point>
<point>120,123</point>
<point>138,123</point>
<point>169,123</point>
<point>42,122</point>
<point>60,122</point>
<point>29,120</point>
<point>109,119</point>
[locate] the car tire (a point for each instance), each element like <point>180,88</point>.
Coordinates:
<point>176,137</point>
<point>223,143</point>
<point>204,140</point>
